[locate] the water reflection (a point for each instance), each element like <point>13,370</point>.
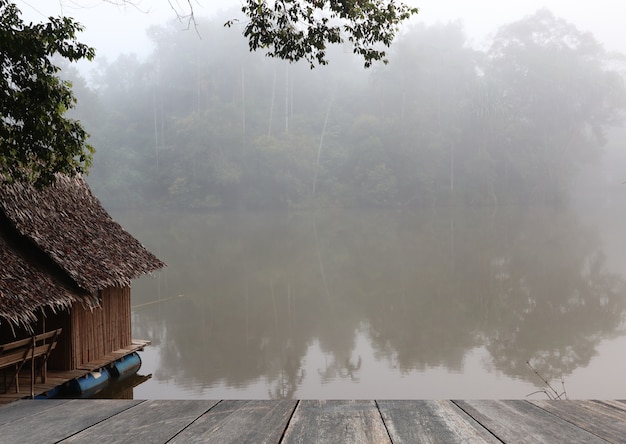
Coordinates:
<point>296,302</point>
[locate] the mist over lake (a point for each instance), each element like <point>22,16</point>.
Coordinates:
<point>379,304</point>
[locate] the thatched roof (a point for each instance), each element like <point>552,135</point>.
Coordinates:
<point>26,286</point>
<point>67,223</point>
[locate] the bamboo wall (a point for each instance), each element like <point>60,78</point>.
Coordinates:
<point>60,358</point>
<point>87,334</point>
<point>102,330</point>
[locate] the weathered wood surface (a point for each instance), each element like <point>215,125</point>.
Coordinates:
<point>336,421</point>
<point>591,416</point>
<point>62,421</point>
<point>24,410</point>
<point>147,422</point>
<point>284,421</point>
<point>240,422</point>
<point>431,421</point>
<point>523,422</point>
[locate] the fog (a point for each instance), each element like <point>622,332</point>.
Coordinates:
<point>121,29</point>
<point>202,123</point>
<point>433,222</point>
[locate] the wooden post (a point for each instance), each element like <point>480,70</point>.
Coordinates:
<point>32,370</point>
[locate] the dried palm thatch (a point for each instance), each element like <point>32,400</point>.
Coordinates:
<point>67,223</point>
<point>25,287</point>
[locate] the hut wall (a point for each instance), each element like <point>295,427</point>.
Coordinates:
<point>61,356</point>
<point>101,330</point>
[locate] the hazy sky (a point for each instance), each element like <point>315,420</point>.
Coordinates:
<point>113,29</point>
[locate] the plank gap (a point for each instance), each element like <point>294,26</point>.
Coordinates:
<point>192,422</point>
<point>383,420</point>
<point>102,420</point>
<point>476,420</point>
<point>293,412</point>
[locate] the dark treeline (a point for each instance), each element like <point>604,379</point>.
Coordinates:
<point>202,122</point>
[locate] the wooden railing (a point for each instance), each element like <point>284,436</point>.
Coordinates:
<point>15,354</point>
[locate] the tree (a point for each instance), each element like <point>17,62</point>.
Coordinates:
<point>302,29</point>
<point>563,96</point>
<point>37,140</point>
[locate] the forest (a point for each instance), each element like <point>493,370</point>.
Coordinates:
<point>203,123</point>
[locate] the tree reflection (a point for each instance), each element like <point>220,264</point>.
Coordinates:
<point>554,297</point>
<point>261,289</point>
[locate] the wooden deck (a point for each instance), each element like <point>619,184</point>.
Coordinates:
<point>56,378</point>
<point>122,421</point>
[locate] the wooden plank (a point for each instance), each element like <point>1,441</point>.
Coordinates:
<point>240,422</point>
<point>117,421</point>
<point>600,419</point>
<point>431,421</point>
<point>522,422</point>
<point>619,405</point>
<point>25,408</point>
<point>336,421</point>
<point>62,421</point>
<point>148,422</point>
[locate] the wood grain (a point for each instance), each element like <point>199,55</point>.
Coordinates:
<point>286,421</point>
<point>522,422</point>
<point>240,422</point>
<point>25,409</point>
<point>335,422</point>
<point>600,419</point>
<point>431,422</point>
<point>148,422</point>
<point>62,421</point>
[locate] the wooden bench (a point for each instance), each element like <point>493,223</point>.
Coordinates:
<point>16,354</point>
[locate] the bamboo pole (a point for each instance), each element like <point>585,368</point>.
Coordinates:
<point>32,369</point>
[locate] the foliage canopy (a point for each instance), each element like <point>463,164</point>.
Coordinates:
<point>37,140</point>
<point>301,29</point>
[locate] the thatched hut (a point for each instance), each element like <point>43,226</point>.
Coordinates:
<point>65,263</point>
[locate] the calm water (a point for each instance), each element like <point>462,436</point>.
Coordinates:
<point>353,304</point>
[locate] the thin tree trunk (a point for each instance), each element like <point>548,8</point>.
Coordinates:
<point>156,126</point>
<point>287,98</point>
<point>319,149</point>
<point>243,102</point>
<point>269,125</point>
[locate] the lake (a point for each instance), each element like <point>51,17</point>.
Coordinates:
<point>353,304</point>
